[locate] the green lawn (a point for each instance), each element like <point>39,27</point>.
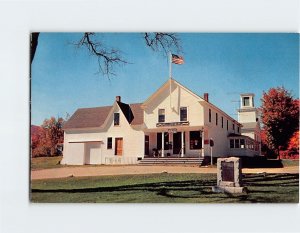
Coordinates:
<point>290,162</point>
<point>45,162</point>
<point>165,188</point>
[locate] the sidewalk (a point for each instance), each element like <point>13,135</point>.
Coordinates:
<point>132,170</point>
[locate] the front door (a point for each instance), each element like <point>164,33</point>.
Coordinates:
<point>176,143</point>
<point>118,146</point>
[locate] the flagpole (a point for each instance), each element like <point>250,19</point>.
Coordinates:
<point>170,76</point>
<point>170,65</point>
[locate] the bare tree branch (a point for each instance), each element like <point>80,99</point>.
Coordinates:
<point>162,42</point>
<point>107,58</point>
<point>33,44</point>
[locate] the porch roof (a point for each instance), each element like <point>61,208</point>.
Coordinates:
<point>234,135</point>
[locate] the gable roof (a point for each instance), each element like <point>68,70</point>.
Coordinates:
<point>138,114</point>
<point>95,117</point>
<point>165,85</point>
<point>201,99</point>
<point>88,117</point>
<point>125,108</point>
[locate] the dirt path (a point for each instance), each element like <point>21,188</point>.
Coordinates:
<point>124,170</point>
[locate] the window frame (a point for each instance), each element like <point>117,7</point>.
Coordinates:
<point>161,115</point>
<point>109,144</point>
<point>193,138</point>
<point>115,122</point>
<point>186,119</point>
<point>231,143</point>
<point>244,102</point>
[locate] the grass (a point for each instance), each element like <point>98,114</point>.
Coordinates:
<point>290,162</point>
<point>45,162</point>
<point>165,188</point>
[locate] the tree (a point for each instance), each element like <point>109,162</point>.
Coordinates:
<point>109,57</point>
<point>49,136</point>
<point>36,135</point>
<point>280,114</point>
<point>293,147</point>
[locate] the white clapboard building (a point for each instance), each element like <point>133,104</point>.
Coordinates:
<point>172,122</point>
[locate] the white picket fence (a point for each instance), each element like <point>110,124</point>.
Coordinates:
<point>120,160</point>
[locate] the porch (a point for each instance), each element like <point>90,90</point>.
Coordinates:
<point>241,145</point>
<point>177,142</point>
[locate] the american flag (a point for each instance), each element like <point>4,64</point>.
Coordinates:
<point>177,59</point>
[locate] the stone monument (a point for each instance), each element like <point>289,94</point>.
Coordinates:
<point>229,176</point>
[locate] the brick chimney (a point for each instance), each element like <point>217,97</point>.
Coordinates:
<point>118,98</point>
<point>206,97</point>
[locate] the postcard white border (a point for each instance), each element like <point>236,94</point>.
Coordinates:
<point>19,18</point>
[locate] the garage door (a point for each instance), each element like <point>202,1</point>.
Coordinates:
<point>92,153</point>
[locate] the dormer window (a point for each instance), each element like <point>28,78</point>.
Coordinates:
<point>183,114</point>
<point>161,115</point>
<point>116,118</point>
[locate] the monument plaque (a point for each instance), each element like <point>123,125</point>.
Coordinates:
<point>229,176</point>
<point>227,170</point>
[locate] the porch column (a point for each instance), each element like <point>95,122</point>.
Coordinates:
<point>162,144</point>
<point>202,138</point>
<point>182,143</point>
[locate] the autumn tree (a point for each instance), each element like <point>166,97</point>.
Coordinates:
<point>49,136</point>
<point>293,147</point>
<point>37,133</point>
<point>107,57</point>
<point>279,114</point>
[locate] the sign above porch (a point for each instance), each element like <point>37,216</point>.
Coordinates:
<point>163,124</point>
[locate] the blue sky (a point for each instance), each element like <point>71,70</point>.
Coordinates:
<point>223,64</point>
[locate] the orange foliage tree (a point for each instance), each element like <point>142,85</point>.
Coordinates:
<point>280,118</point>
<point>293,148</point>
<point>44,141</point>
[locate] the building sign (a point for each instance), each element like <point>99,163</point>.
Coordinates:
<point>162,124</point>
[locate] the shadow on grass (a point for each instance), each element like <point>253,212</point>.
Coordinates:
<point>259,189</point>
<point>270,179</point>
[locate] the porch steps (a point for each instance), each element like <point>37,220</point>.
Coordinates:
<point>171,161</point>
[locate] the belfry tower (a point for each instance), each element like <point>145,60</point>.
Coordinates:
<point>248,116</point>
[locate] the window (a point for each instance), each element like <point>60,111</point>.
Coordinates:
<point>222,122</point>
<point>109,143</point>
<point>233,126</point>
<point>209,115</point>
<point>116,118</point>
<point>195,140</point>
<point>242,142</point>
<point>246,101</point>
<point>227,124</point>
<point>238,129</point>
<point>161,115</point>
<point>183,114</point>
<point>216,118</point>
<point>237,143</point>
<point>231,143</point>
